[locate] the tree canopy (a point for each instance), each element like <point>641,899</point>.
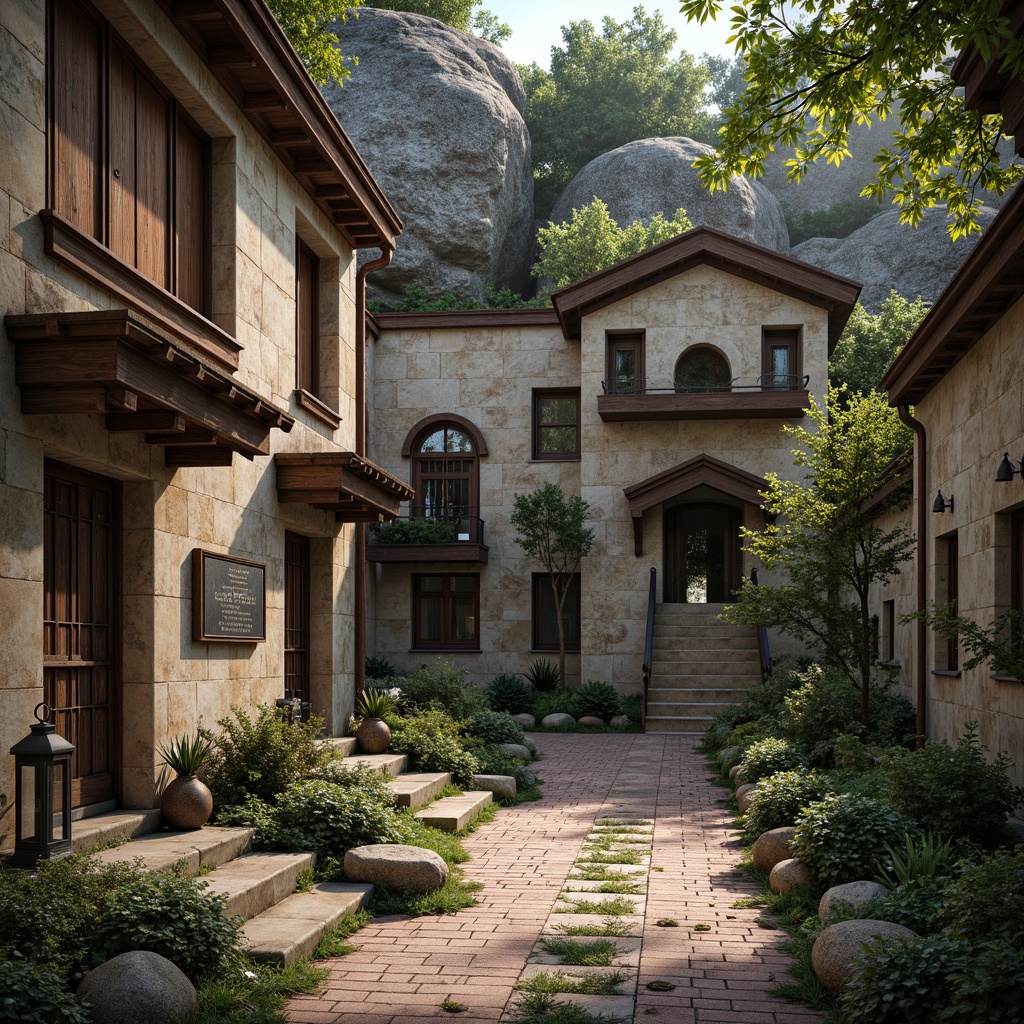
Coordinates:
<point>593,240</point>
<point>608,88</point>
<point>815,68</point>
<point>457,13</point>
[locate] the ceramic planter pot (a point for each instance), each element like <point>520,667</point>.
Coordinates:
<point>186,803</point>
<point>374,736</point>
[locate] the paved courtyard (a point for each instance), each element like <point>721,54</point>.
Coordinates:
<point>721,971</point>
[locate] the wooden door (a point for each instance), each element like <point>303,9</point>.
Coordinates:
<point>81,644</point>
<point>702,557</point>
<point>296,617</point>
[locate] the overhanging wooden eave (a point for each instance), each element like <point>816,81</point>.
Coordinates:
<point>354,488</point>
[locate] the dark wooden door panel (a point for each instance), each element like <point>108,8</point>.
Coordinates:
<point>702,553</point>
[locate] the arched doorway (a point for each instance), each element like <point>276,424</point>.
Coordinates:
<point>702,553</point>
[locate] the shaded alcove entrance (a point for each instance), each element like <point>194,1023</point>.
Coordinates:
<point>702,553</point>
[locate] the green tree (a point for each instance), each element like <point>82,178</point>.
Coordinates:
<point>593,240</point>
<point>822,544</point>
<point>870,342</point>
<point>817,67</point>
<point>305,23</point>
<point>552,528</point>
<point>606,89</point>
<point>457,13</point>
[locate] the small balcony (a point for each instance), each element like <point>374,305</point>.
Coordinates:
<point>418,536</point>
<point>770,395</point>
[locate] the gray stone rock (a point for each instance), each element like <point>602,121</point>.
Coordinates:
<point>772,847</point>
<point>589,720</point>
<point>652,176</point>
<point>840,944</point>
<point>716,734</point>
<point>744,794</point>
<point>738,775</point>
<point>403,867</point>
<point>503,786</point>
<point>527,721</point>
<point>525,777</point>
<point>138,987</point>
<point>856,894</point>
<point>884,254</point>
<point>557,719</point>
<point>619,721</point>
<point>788,874</point>
<point>437,115</point>
<point>530,746</point>
<point>516,750</point>
<point>729,754</point>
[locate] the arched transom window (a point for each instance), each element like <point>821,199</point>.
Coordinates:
<point>702,369</point>
<point>445,473</point>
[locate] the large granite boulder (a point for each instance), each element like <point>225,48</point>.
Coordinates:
<point>789,874</point>
<point>840,944</point>
<point>397,865</point>
<point>772,847</point>
<point>502,786</point>
<point>437,115</point>
<point>884,254</point>
<point>855,894</point>
<point>651,176</point>
<point>526,720</point>
<point>517,751</point>
<point>744,795</point>
<point>557,720</point>
<point>138,987</point>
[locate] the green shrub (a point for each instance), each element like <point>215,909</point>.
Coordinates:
<point>840,219</point>
<point>494,727</point>
<point>256,814</point>
<point>747,733</point>
<point>35,993</point>
<point>915,905</point>
<point>768,756</point>
<point>919,857</point>
<point>952,791</point>
<point>543,676</point>
<point>261,758</point>
<point>379,668</point>
<point>492,760</point>
<point>413,531</point>
<point>631,704</point>
<point>893,717</point>
<point>552,703</point>
<point>842,837</point>
<point>443,688</point>
<point>987,899</point>
<point>173,915</point>
<point>778,800</point>
<point>510,693</point>
<point>826,705</point>
<point>432,742</point>
<point>596,698</point>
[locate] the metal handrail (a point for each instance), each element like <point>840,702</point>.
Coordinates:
<point>764,649</point>
<point>648,647</point>
<point>765,382</point>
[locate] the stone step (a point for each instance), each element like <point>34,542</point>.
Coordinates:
<point>703,667</point>
<point>452,813</point>
<point>659,693</point>
<point>713,631</point>
<point>684,709</point>
<point>393,764</point>
<point>206,847</point>
<point>258,881</point>
<point>344,745</point>
<point>292,928</point>
<point>706,646</point>
<point>113,827</point>
<point>681,725</point>
<point>416,789</point>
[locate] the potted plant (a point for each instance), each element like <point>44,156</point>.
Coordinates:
<point>373,733</point>
<point>186,802</point>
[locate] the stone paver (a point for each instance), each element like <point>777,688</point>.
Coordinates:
<point>405,967</point>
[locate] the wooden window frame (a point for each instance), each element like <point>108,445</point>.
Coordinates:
<point>539,396</point>
<point>774,337</point>
<point>541,583</point>
<point>624,341</point>
<point>298,575</point>
<point>419,458</point>
<point>309,376</point>
<point>446,643</point>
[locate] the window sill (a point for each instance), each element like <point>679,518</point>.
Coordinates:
<point>1002,677</point>
<point>445,650</point>
<point>576,457</point>
<point>554,650</point>
<point>947,673</point>
<point>72,247</point>
<point>305,400</point>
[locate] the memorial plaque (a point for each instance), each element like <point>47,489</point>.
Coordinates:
<point>229,598</point>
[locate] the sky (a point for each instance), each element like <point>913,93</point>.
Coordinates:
<point>536,25</point>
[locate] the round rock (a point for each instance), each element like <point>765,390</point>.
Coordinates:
<point>728,754</point>
<point>138,987</point>
<point>527,721</point>
<point>788,874</point>
<point>397,865</point>
<point>516,750</point>
<point>557,719</point>
<point>744,795</point>
<point>619,722</point>
<point>530,746</point>
<point>526,777</point>
<point>772,847</point>
<point>840,944</point>
<point>502,786</point>
<point>590,720</point>
<point>854,893</point>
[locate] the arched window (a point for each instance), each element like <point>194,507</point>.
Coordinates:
<point>702,369</point>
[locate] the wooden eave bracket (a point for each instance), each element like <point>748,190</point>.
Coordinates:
<point>117,363</point>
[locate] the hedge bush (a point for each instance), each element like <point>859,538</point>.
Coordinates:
<point>509,693</point>
<point>494,727</point>
<point>35,993</point>
<point>595,698</point>
<point>442,688</point>
<point>768,756</point>
<point>431,740</point>
<point>778,800</point>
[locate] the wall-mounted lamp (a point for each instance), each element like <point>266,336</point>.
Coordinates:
<point>1005,472</point>
<point>940,504</point>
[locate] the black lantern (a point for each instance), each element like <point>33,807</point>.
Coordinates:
<point>42,763</point>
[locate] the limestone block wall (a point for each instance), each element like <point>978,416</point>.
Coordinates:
<point>169,682</point>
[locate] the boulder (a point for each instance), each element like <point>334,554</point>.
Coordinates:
<point>402,867</point>
<point>788,874</point>
<point>715,736</point>
<point>738,775</point>
<point>530,746</point>
<point>772,847</point>
<point>437,115</point>
<point>526,777</point>
<point>840,944</point>
<point>590,720</point>
<point>515,750</point>
<point>884,255</point>
<point>619,721</point>
<point>502,786</point>
<point>729,754</point>
<point>651,176</point>
<point>527,721</point>
<point>138,987</point>
<point>854,893</point>
<point>559,718</point>
<point>744,794</point>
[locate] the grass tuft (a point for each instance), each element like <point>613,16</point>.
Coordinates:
<point>613,907</point>
<point>541,1008</point>
<point>557,982</point>
<point>609,926</point>
<point>599,953</point>
<point>611,857</point>
<point>333,942</point>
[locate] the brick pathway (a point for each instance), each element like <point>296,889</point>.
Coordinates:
<point>406,967</point>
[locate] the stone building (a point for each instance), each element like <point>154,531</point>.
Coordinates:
<point>655,389</point>
<point>181,214</point>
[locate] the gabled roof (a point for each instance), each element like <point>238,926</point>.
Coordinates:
<point>705,246</point>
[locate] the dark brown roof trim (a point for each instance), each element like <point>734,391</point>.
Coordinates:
<point>542,317</point>
<point>249,54</point>
<point>990,281</point>
<point>705,246</point>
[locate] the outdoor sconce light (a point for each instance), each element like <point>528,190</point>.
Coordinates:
<point>940,504</point>
<point>42,765</point>
<point>1005,472</point>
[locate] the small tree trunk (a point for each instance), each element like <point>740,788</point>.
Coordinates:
<point>865,663</point>
<point>559,605</point>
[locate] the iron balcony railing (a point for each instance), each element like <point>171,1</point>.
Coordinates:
<point>766,382</point>
<point>436,526</point>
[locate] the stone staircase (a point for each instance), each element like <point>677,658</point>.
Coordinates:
<point>698,666</point>
<point>281,923</point>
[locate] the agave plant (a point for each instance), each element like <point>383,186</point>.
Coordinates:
<point>543,676</point>
<point>186,755</point>
<point>374,703</point>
